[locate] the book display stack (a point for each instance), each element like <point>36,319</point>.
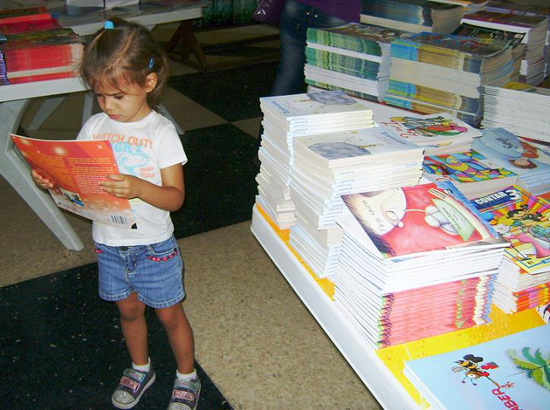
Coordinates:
<point>327,166</point>
<point>523,220</point>
<point>354,58</point>
<point>535,30</point>
<point>287,117</point>
<point>412,15</point>
<point>526,10</point>
<point>519,108</point>
<point>507,372</point>
<point>433,73</point>
<point>529,159</point>
<point>395,242</point>
<point>36,47</point>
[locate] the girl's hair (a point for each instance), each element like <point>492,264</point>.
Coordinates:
<point>122,55</point>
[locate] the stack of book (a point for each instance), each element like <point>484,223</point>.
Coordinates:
<point>519,108</point>
<point>528,159</point>
<point>433,73</point>
<point>526,10</point>
<point>522,219</point>
<point>408,247</point>
<point>509,372</point>
<point>535,30</point>
<point>327,166</point>
<point>471,172</point>
<point>36,47</point>
<point>412,15</point>
<point>518,48</point>
<point>354,58</point>
<point>290,116</point>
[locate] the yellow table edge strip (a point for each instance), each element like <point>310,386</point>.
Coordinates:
<point>326,285</point>
<point>394,357</point>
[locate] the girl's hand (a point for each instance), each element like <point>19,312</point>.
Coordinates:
<point>123,186</point>
<point>43,183</point>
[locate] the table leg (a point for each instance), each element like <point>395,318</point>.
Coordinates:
<point>45,110</point>
<point>16,171</point>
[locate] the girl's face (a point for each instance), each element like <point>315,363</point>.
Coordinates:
<point>127,103</point>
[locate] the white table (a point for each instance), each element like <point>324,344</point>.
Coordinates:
<point>15,98</point>
<point>335,322</point>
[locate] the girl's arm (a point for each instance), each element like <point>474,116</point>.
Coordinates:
<point>169,196</point>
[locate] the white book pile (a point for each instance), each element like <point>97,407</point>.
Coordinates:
<point>290,116</point>
<point>519,108</point>
<point>420,244</point>
<point>327,166</point>
<point>527,158</point>
<point>535,29</point>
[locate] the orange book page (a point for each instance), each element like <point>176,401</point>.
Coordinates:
<point>75,168</point>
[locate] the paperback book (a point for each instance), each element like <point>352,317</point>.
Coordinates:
<point>509,372</point>
<point>75,168</point>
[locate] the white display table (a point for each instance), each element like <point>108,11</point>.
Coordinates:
<point>363,359</point>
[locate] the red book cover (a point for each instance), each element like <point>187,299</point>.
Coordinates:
<point>75,168</point>
<point>18,15</point>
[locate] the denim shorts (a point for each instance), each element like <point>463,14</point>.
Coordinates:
<point>154,272</point>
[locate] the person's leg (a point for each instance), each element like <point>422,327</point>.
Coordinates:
<point>180,335</point>
<point>134,328</point>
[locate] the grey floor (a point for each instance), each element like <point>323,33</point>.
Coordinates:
<point>254,337</point>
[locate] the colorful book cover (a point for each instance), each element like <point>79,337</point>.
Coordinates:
<point>429,129</point>
<point>505,149</point>
<point>465,167</point>
<point>75,168</point>
<point>522,219</point>
<point>422,218</point>
<point>511,372</point>
<point>510,21</point>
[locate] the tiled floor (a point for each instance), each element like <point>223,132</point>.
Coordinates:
<point>254,337</point>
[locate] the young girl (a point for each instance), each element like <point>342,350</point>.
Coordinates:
<point>142,266</point>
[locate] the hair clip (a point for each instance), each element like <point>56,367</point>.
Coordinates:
<point>109,25</point>
<point>151,62</point>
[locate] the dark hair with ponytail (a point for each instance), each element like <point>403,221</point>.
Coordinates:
<point>121,54</point>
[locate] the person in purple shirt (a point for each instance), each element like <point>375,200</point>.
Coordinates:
<point>297,16</point>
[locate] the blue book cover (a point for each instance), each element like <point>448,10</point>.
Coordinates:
<point>510,372</point>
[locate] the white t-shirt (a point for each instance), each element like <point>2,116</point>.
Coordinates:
<point>142,149</point>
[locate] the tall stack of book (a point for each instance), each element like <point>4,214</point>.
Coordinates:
<point>290,116</point>
<point>415,262</point>
<point>433,73</point>
<point>526,10</point>
<point>528,159</point>
<point>535,30</point>
<point>354,58</point>
<point>412,15</point>
<point>519,108</point>
<point>523,279</point>
<point>327,166</point>
<point>37,48</point>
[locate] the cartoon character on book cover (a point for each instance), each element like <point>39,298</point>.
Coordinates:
<point>522,219</point>
<point>408,220</point>
<point>508,150</point>
<point>511,372</point>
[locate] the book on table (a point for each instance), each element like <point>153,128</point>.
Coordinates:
<point>472,173</point>
<point>75,169</point>
<point>509,372</point>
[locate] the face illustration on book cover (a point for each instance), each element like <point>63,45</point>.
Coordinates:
<point>522,219</point>
<point>407,220</point>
